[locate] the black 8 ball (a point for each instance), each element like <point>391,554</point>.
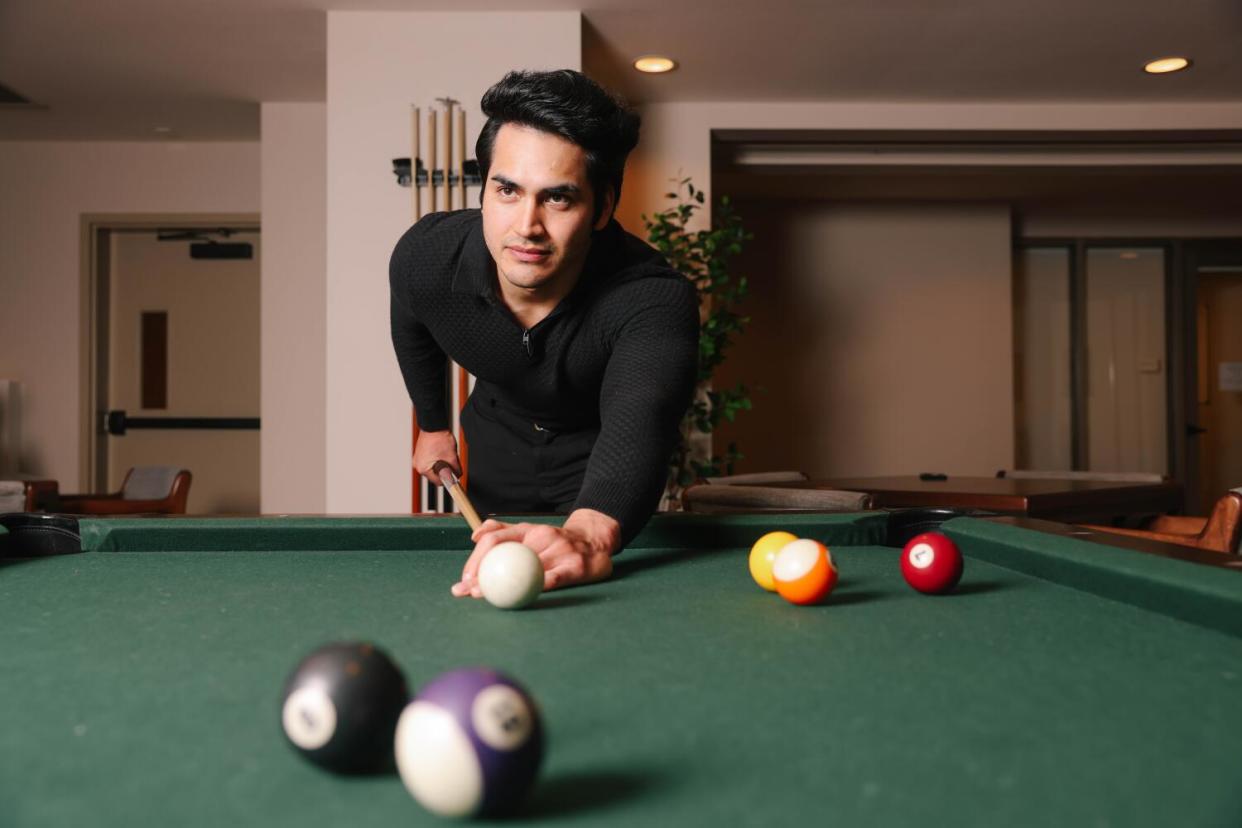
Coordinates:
<point>340,707</point>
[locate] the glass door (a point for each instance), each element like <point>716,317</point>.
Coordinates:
<point>1091,379</point>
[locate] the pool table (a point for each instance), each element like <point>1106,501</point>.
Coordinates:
<point>1065,682</point>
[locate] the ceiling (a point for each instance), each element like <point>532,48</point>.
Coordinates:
<point>119,69</point>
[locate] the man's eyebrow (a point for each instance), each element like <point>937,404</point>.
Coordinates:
<point>562,190</point>
<point>558,190</point>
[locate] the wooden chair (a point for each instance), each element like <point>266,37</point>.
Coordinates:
<point>147,490</point>
<point>1220,531</point>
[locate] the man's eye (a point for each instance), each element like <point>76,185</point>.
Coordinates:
<point>505,191</point>
<point>558,199</point>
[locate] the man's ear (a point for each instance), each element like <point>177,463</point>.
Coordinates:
<point>606,209</point>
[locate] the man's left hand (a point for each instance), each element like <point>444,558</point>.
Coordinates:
<point>579,552</point>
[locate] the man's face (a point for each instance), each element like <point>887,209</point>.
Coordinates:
<point>537,212</point>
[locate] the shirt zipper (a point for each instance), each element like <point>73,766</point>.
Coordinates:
<point>526,342</point>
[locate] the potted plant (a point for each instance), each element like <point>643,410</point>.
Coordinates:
<point>703,256</point>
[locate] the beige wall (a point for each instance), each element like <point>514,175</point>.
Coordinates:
<point>45,188</point>
<point>876,333</point>
<point>1043,407</point>
<point>379,64</point>
<point>676,143</point>
<point>374,74</point>
<point>294,317</point>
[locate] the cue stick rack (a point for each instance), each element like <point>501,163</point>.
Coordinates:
<point>440,183</point>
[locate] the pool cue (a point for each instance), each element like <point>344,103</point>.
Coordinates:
<point>418,497</point>
<point>444,471</point>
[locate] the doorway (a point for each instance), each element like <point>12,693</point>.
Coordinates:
<point>173,354</point>
<point>1213,431</point>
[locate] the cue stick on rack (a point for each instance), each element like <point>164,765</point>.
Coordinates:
<point>431,159</point>
<point>418,207</point>
<point>444,471</point>
<point>448,151</point>
<point>461,156</point>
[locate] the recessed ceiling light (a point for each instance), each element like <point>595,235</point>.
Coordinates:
<point>162,130</point>
<point>655,64</point>
<point>1165,65</point>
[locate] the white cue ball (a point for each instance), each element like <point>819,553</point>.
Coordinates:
<point>511,576</point>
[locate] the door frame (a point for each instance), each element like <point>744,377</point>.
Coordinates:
<point>95,231</point>
<point>1198,253</point>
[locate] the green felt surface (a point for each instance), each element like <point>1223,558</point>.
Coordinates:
<point>1199,594</point>
<point>674,531</point>
<point>143,688</point>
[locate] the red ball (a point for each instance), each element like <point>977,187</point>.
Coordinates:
<point>931,563</point>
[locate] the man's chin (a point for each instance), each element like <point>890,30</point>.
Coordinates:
<point>528,278</point>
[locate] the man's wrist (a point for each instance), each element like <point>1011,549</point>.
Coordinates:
<point>601,532</point>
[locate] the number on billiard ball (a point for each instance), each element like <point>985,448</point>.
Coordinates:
<point>469,744</point>
<point>931,563</point>
<point>341,705</point>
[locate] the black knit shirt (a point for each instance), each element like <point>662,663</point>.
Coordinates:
<point>618,353</point>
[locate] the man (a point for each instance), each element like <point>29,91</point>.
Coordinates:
<point>582,340</point>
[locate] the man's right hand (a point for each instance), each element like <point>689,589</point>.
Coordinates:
<point>432,447</point>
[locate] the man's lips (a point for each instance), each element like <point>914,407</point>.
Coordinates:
<point>528,254</point>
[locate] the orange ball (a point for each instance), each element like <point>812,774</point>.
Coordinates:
<point>803,572</point>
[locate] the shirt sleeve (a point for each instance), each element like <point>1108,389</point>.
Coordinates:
<point>647,387</point>
<point>423,362</point>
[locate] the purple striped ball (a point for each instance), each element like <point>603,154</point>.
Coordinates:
<point>470,743</point>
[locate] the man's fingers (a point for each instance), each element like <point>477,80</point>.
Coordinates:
<point>431,474</point>
<point>489,525</point>
<point>564,565</point>
<point>487,536</point>
<point>468,573</point>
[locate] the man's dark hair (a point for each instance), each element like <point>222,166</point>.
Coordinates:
<point>569,104</point>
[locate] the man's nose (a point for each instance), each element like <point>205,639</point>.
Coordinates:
<point>529,222</point>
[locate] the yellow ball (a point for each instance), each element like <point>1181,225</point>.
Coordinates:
<point>763,553</point>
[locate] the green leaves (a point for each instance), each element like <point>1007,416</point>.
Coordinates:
<point>702,256</point>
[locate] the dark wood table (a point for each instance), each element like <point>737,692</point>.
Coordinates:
<point>1069,501</point>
